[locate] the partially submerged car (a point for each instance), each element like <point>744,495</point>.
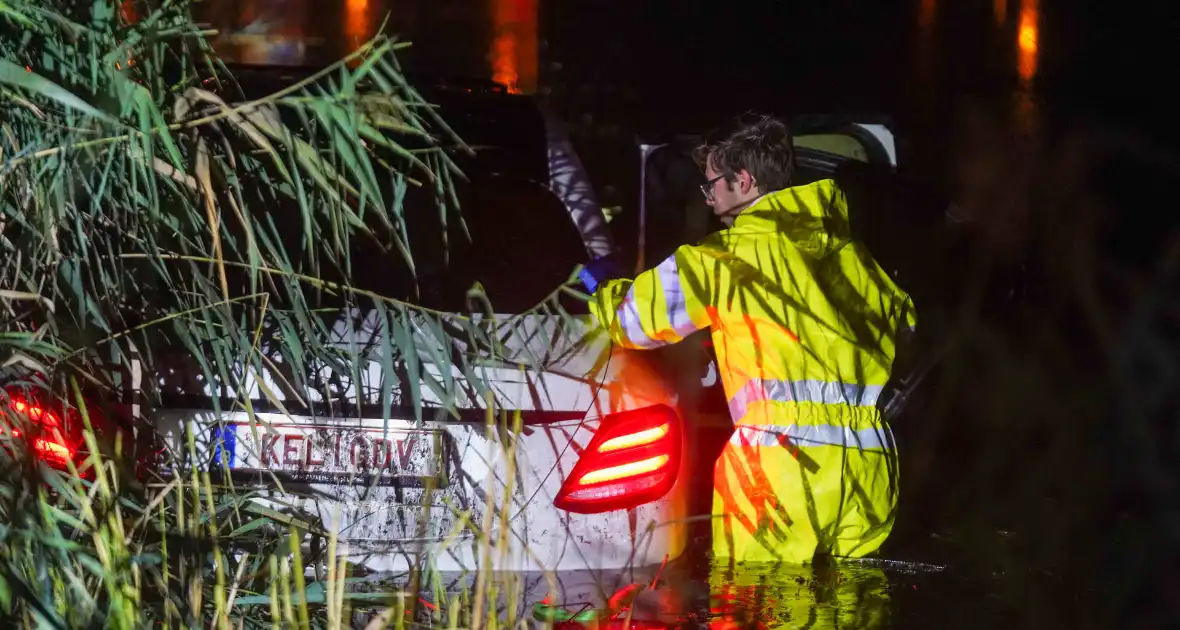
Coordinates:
<point>525,430</point>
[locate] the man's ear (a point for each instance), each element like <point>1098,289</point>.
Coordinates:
<point>745,180</point>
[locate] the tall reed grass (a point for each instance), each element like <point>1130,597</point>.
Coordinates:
<point>142,206</point>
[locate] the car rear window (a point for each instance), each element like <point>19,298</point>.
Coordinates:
<point>520,245</point>
<point>520,242</point>
<point>512,235</point>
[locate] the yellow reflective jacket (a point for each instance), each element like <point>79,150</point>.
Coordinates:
<point>804,324</point>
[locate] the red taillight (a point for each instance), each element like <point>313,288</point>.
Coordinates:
<point>53,452</point>
<point>632,460</point>
<point>646,436</point>
<point>46,431</point>
<point>43,418</point>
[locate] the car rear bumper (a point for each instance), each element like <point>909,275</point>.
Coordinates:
<point>490,514</point>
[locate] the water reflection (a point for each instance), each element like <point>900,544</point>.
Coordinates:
<point>259,31</point>
<point>925,59</point>
<point>358,23</point>
<point>513,53</point>
<point>496,39</point>
<point>844,594</point>
<point>1026,39</point>
<point>785,596</point>
<point>926,11</point>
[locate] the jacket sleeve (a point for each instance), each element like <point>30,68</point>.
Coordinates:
<point>661,306</point>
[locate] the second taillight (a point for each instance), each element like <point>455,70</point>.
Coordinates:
<point>46,433</point>
<point>632,460</point>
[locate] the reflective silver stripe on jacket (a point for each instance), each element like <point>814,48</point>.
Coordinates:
<point>632,326</point>
<point>802,391</point>
<point>678,319</point>
<point>814,435</point>
<point>674,303</point>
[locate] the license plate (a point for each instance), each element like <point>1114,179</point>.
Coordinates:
<point>334,454</point>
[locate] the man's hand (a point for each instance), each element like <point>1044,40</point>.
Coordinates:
<point>598,271</point>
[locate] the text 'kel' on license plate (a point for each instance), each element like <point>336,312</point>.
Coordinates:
<point>308,453</point>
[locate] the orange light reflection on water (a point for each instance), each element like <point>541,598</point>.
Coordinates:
<point>513,54</point>
<point>1027,40</point>
<point>926,11</point>
<point>357,23</point>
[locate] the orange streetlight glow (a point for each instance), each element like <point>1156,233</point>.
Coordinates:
<point>356,22</point>
<point>513,54</point>
<point>1026,40</point>
<point>926,12</point>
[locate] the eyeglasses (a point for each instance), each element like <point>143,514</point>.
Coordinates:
<point>707,187</point>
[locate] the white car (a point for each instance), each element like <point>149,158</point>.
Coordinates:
<point>598,484</point>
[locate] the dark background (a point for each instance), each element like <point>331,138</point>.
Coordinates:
<point>1043,461</point>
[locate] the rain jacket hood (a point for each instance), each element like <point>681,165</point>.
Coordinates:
<point>813,217</point>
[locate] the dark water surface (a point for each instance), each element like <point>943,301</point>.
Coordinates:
<point>1041,467</point>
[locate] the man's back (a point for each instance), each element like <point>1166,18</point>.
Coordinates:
<point>792,298</point>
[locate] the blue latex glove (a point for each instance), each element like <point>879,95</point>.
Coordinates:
<point>598,271</point>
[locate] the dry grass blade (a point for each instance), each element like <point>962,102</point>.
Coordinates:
<point>211,213</point>
<point>8,294</point>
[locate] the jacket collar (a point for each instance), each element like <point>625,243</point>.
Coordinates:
<point>814,216</point>
<point>822,199</point>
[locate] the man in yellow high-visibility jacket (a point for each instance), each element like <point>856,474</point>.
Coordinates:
<point>805,324</point>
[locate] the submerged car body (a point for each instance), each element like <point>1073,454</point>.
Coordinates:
<point>528,443</point>
<point>490,443</point>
